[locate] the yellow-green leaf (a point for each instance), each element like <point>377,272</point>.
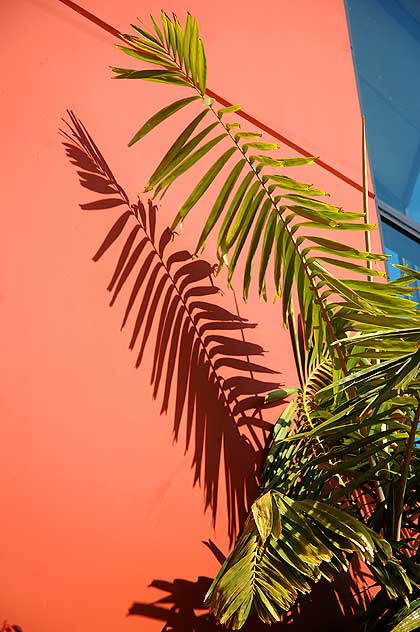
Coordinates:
<point>160,116</point>
<point>202,186</point>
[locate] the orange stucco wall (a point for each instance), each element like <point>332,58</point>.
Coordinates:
<point>96,498</point>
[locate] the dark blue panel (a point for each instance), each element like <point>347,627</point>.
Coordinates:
<point>385,36</point>
<point>403,250</point>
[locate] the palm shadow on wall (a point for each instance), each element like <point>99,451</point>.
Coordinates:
<point>173,309</point>
<point>328,608</point>
<point>175,314</point>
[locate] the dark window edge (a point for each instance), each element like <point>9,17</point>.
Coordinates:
<point>397,220</point>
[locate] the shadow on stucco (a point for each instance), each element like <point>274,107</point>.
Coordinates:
<point>203,371</point>
<point>208,377</point>
<point>328,608</point>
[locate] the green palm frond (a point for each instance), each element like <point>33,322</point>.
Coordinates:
<point>411,620</point>
<point>284,546</point>
<point>179,50</point>
<point>369,413</point>
<point>285,463</point>
<point>315,371</point>
<point>259,210</point>
<point>349,434</point>
<point>386,382</point>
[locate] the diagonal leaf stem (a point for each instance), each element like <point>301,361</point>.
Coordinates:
<point>300,254</point>
<point>318,298</point>
<point>405,466</point>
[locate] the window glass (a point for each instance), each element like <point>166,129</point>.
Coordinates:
<point>385,37</point>
<point>403,250</point>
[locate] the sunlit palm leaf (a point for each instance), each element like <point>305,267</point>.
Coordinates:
<point>352,426</point>
<point>260,215</point>
<point>284,546</point>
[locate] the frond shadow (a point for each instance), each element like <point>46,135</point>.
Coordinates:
<point>182,609</point>
<point>203,369</point>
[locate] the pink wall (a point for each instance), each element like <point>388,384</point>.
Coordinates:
<point>96,499</point>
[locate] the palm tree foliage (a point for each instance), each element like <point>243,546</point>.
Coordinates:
<point>341,475</point>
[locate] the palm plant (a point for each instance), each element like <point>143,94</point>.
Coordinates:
<point>342,471</point>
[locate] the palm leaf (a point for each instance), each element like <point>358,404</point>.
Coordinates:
<point>351,426</point>
<point>283,210</point>
<point>411,620</point>
<point>285,545</point>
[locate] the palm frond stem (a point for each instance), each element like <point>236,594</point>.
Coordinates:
<point>405,466</point>
<point>315,289</point>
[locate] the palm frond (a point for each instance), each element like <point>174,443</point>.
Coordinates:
<point>285,463</point>
<point>260,211</point>
<point>411,620</point>
<point>284,546</point>
<point>370,414</point>
<point>351,429</point>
